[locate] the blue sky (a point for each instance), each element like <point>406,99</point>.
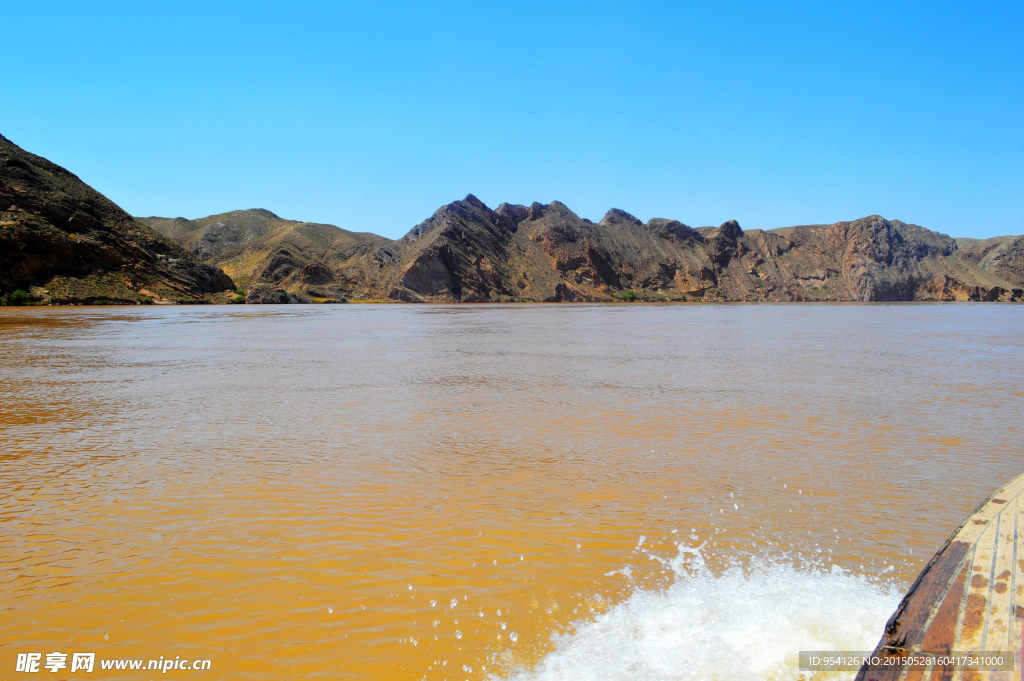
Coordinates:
<point>371,117</point>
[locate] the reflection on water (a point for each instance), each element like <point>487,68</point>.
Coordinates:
<point>416,491</point>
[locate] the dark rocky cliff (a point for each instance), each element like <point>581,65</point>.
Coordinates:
<point>66,243</point>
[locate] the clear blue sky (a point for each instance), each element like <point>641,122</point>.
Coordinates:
<point>372,115</point>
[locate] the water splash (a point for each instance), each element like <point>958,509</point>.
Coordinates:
<point>749,621</point>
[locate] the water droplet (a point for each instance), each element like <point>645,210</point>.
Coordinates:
<point>410,587</point>
<point>499,613</point>
<point>330,609</point>
<point>503,625</point>
<point>736,506</point>
<point>458,634</point>
<point>455,601</point>
<point>433,603</point>
<point>513,637</point>
<point>577,546</point>
<point>436,622</point>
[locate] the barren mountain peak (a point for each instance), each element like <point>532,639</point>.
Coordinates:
<point>265,213</point>
<point>618,216</point>
<point>470,199</point>
<point>514,213</point>
<point>730,230</point>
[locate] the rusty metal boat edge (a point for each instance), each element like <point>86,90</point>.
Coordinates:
<point>970,597</point>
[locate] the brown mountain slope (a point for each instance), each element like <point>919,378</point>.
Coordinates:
<point>68,243</point>
<point>206,238</point>
<point>1003,256</point>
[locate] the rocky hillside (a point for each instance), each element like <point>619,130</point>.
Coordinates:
<point>64,242</point>
<point>467,252</point>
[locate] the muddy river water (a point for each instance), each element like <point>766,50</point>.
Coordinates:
<point>472,492</point>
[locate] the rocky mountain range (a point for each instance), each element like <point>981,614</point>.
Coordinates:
<point>467,252</point>
<point>63,242</point>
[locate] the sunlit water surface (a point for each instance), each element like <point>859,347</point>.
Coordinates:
<point>558,492</point>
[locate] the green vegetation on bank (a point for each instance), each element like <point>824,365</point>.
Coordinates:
<point>630,296</point>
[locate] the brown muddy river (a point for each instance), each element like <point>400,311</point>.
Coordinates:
<point>473,492</point>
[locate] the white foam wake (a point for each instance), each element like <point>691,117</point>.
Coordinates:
<point>745,623</point>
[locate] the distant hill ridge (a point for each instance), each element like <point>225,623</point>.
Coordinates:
<point>467,252</point>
